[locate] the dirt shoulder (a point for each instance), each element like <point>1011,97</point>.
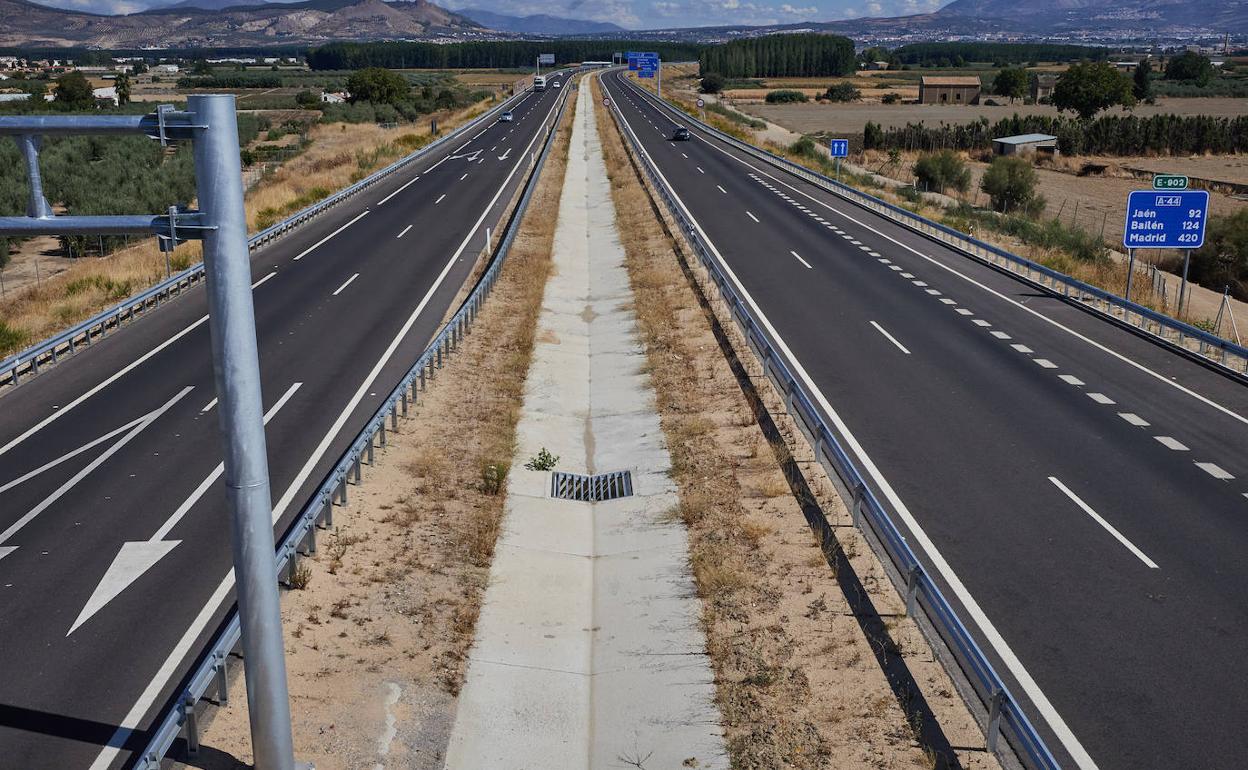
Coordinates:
<point>815,665</point>
<point>378,639</point>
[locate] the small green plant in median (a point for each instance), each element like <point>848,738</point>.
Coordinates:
<point>542,461</point>
<point>493,476</point>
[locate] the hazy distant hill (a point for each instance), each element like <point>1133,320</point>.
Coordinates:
<point>538,24</point>
<point>315,21</point>
<point>1161,15</point>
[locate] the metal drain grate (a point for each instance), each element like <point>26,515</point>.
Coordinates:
<point>591,489</point>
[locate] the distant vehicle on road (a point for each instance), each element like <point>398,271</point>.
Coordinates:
<point>506,117</point>
<point>681,134</point>
<point>539,83</point>
<point>557,84</point>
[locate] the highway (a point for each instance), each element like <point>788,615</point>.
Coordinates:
<point>1079,493</point>
<point>114,543</point>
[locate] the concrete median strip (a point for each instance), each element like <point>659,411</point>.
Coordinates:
<point>588,650</point>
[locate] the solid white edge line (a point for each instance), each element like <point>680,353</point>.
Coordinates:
<point>1019,305</point>
<point>977,614</point>
<point>890,337</point>
<point>344,285</point>
<point>145,700</point>
<point>72,454</point>
<point>317,245</point>
<point>1099,520</point>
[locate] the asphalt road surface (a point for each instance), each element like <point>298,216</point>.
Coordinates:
<point>1078,492</point>
<point>115,563</point>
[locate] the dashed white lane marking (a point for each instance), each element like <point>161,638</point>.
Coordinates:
<point>262,280</point>
<point>345,285</point>
<point>980,322</point>
<point>685,156</point>
<point>907,275</point>
<point>208,406</point>
<point>799,259</point>
<point>1070,379</point>
<point>1000,335</point>
<point>700,171</point>
<point>1215,471</point>
<point>964,311</point>
<point>1169,442</point>
<point>401,189</point>
<point>405,229</point>
<point>1022,349</point>
<point>1099,520</point>
<point>874,253</point>
<point>751,216</point>
<point>721,189</point>
<point>465,176</point>
<point>1134,419</point>
<point>933,292</point>
<point>439,200</point>
<point>317,245</point>
<point>1100,398</point>
<point>948,301</point>
<point>1045,363</point>
<point>894,267</point>
<point>920,284</point>
<point>890,337</point>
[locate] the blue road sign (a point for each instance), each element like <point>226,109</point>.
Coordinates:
<point>645,73</point>
<point>632,57</point>
<point>1166,220</point>
<point>840,148</point>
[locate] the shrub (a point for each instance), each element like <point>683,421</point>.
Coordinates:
<point>890,98</point>
<point>872,136</point>
<point>712,83</point>
<point>1223,260</point>
<point>943,170</point>
<point>493,477</point>
<point>783,96</point>
<point>542,461</point>
<point>11,339</point>
<point>1011,184</point>
<point>842,92</point>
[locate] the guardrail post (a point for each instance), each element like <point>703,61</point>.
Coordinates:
<point>223,679</point>
<point>190,725</point>
<point>405,402</point>
<point>856,509</point>
<point>994,718</point>
<point>381,432</point>
<point>369,451</point>
<point>394,418</point>
<point>912,590</point>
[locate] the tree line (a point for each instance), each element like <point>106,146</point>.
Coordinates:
<point>1106,135</point>
<point>807,55</point>
<point>505,54</point>
<point>956,54</point>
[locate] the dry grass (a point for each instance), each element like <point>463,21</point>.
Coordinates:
<point>338,156</point>
<point>797,680</point>
<point>397,586</point>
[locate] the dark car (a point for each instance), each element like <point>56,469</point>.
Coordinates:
<point>681,134</point>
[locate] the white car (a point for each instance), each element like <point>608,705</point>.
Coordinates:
<point>506,117</point>
<point>558,84</point>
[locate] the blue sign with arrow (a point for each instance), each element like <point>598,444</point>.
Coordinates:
<point>839,147</point>
<point>1166,220</point>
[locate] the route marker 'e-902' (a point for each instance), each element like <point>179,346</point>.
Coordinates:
<point>1165,219</point>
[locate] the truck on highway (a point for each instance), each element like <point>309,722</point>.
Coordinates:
<point>539,83</point>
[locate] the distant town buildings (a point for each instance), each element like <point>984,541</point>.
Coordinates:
<point>936,89</point>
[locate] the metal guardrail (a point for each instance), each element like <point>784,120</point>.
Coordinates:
<point>1004,713</point>
<point>51,350</point>
<point>318,513</point>
<point>1174,333</point>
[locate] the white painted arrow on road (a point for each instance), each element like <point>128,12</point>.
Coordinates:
<point>137,557</point>
<point>505,154</point>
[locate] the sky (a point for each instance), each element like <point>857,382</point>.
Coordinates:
<point>634,14</point>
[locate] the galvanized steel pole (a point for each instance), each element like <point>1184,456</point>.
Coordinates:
<point>236,366</point>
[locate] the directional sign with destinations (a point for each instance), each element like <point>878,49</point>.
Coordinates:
<point>840,148</point>
<point>546,58</point>
<point>1166,220</point>
<point>632,57</point>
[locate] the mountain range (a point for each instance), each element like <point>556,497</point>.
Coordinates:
<point>23,23</point>
<point>219,23</point>
<point>536,24</point>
